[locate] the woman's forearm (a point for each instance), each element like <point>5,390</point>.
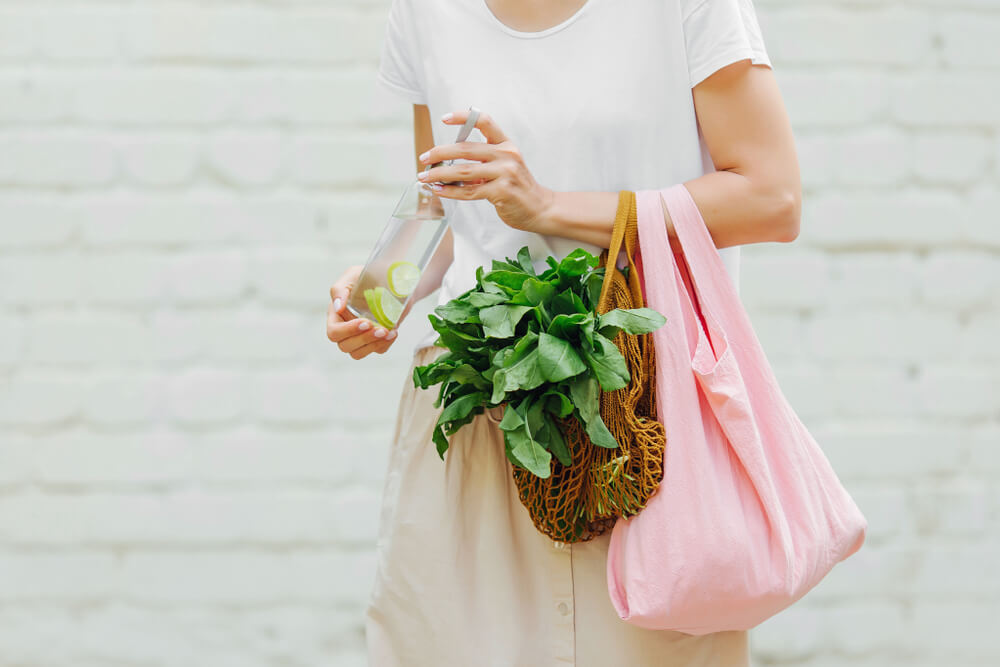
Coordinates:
<point>736,212</point>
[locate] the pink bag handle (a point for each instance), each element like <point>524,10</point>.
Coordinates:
<point>716,293</point>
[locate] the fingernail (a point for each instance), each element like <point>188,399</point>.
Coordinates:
<point>380,333</point>
<point>336,304</point>
<point>422,176</point>
<point>447,117</point>
<point>392,334</point>
<point>436,186</point>
<point>364,326</point>
<point>424,156</point>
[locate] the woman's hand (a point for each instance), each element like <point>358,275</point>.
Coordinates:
<point>501,177</point>
<point>356,336</point>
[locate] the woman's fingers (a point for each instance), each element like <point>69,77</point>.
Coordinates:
<point>463,150</point>
<point>338,329</point>
<point>465,172</point>
<point>341,291</point>
<point>357,337</point>
<point>484,124</point>
<point>377,347</point>
<point>361,344</point>
<point>338,299</point>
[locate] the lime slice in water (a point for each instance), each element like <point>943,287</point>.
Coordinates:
<point>374,305</point>
<point>384,306</point>
<point>391,307</point>
<point>369,295</point>
<point>402,278</point>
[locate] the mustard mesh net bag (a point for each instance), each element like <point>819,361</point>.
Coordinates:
<point>576,503</point>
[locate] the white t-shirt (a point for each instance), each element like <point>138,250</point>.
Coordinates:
<point>602,101</point>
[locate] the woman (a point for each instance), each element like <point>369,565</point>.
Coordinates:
<point>581,98</point>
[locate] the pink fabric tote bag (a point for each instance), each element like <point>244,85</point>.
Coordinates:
<point>750,515</point>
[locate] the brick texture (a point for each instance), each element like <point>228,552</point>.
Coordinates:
<point>191,474</point>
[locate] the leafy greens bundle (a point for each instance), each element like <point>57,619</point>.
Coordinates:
<point>535,343</point>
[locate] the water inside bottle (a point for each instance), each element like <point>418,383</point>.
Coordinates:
<point>395,267</point>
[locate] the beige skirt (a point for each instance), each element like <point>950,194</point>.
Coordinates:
<point>464,578</point>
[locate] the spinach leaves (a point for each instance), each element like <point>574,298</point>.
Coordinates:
<point>535,343</point>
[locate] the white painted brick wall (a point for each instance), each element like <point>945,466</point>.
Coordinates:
<point>190,473</point>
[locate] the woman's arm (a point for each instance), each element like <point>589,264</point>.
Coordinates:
<point>755,194</point>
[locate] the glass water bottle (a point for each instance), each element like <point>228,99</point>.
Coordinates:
<point>409,240</point>
<point>397,262</point>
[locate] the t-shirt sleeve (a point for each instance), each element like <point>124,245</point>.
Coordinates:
<point>399,64</point>
<point>718,33</point>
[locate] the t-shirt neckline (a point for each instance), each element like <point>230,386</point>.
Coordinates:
<point>537,33</point>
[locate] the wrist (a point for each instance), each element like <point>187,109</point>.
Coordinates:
<point>583,216</point>
<point>547,219</point>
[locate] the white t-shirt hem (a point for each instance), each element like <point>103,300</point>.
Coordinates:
<point>414,96</point>
<point>727,58</point>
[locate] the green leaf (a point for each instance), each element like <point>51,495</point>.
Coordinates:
<point>587,332</point>
<point>557,403</point>
<point>524,374</point>
<point>506,358</point>
<point>442,327</point>
<point>462,407</point>
<point>432,373</point>
<point>500,321</point>
<point>511,420</point>
<point>585,393</point>
<point>528,454</point>
<point>484,299</point>
<point>490,287</point>
<point>564,304</point>
<point>467,374</point>
<point>457,311</point>
<point>440,441</point>
<point>557,358</point>
<point>442,392</point>
<point>634,321</point>
<point>425,376</point>
<point>451,391</point>
<point>531,410</point>
<point>607,363</point>
<point>542,429</point>
<point>592,287</point>
<point>510,279</point>
<point>534,292</point>
<point>556,443</point>
<point>500,265</point>
<point>523,345</point>
<point>524,259</point>
<point>454,426</point>
<point>599,434</point>
<point>568,327</point>
<point>576,263</point>
<point>542,319</point>
<point>499,386</point>
<point>578,303</point>
<point>451,336</point>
